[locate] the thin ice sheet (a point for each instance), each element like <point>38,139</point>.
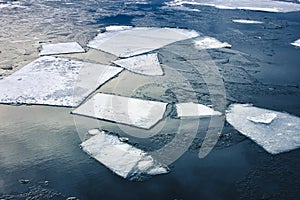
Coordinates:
<point>210,43</point>
<point>61,48</point>
<point>185,110</point>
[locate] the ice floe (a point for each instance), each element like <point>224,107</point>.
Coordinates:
<point>276,132</point>
<point>185,110</point>
<point>296,43</point>
<point>123,159</point>
<point>263,5</point>
<point>127,41</point>
<point>246,21</point>
<point>124,110</point>
<point>54,81</point>
<point>145,64</point>
<point>210,43</point>
<point>61,48</point>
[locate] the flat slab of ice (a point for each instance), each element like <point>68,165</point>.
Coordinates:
<point>127,41</point>
<point>276,132</point>
<point>185,110</point>
<point>296,43</point>
<point>61,48</point>
<point>246,21</point>
<point>210,43</point>
<point>124,110</point>
<point>262,5</point>
<point>54,81</point>
<point>122,158</point>
<point>145,64</point>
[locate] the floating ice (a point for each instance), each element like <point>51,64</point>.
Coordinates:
<point>145,64</point>
<point>52,81</point>
<point>276,132</point>
<point>194,110</point>
<point>129,41</point>
<point>123,159</point>
<point>246,21</point>
<point>262,5</point>
<point>296,43</point>
<point>130,111</point>
<point>61,48</point>
<point>210,43</point>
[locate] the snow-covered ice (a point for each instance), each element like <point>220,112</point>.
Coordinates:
<point>246,21</point>
<point>262,5</point>
<point>296,43</point>
<point>61,48</point>
<point>210,43</point>
<point>194,110</point>
<point>124,110</point>
<point>276,132</point>
<point>145,64</point>
<point>127,41</point>
<point>123,159</point>
<point>55,81</point>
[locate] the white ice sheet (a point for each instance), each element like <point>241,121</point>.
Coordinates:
<point>145,64</point>
<point>246,21</point>
<point>296,43</point>
<point>54,81</point>
<point>210,43</point>
<point>126,42</point>
<point>194,110</point>
<point>130,111</point>
<point>276,132</point>
<point>122,158</point>
<point>61,48</point>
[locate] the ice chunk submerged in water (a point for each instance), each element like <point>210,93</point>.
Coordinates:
<point>185,110</point>
<point>210,43</point>
<point>61,48</point>
<point>130,111</point>
<point>296,43</point>
<point>127,41</point>
<point>276,132</point>
<point>145,64</point>
<point>122,158</point>
<point>55,81</point>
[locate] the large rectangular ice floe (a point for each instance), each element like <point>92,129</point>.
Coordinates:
<point>276,132</point>
<point>135,112</point>
<point>187,110</point>
<point>296,43</point>
<point>54,81</point>
<point>145,64</point>
<point>210,43</point>
<point>262,5</point>
<point>131,41</point>
<point>61,48</point>
<point>123,159</point>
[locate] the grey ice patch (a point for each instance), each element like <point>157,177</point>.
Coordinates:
<point>61,48</point>
<point>186,110</point>
<point>210,43</point>
<point>276,132</point>
<point>123,159</point>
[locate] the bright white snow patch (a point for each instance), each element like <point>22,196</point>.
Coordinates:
<point>54,81</point>
<point>61,48</point>
<point>129,41</point>
<point>130,111</point>
<point>246,21</point>
<point>210,43</point>
<point>296,43</point>
<point>123,159</point>
<point>262,5</point>
<point>145,64</point>
<point>194,110</point>
<point>276,132</point>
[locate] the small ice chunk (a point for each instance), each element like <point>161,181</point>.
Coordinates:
<point>145,64</point>
<point>123,159</point>
<point>61,48</point>
<point>296,43</point>
<point>93,131</point>
<point>194,110</point>
<point>276,132</point>
<point>125,110</point>
<point>246,21</point>
<point>131,41</point>
<point>210,43</point>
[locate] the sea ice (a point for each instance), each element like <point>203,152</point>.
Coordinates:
<point>246,21</point>
<point>276,132</point>
<point>194,110</point>
<point>54,81</point>
<point>145,64</point>
<point>125,110</point>
<point>123,159</point>
<point>61,48</point>
<point>210,43</point>
<point>296,43</point>
<point>127,41</point>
